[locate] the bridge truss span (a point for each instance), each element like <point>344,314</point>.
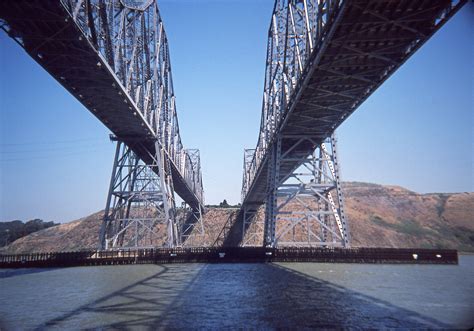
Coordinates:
<point>113,56</point>
<point>324,59</point>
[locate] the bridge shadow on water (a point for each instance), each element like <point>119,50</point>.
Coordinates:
<point>19,272</point>
<point>237,295</point>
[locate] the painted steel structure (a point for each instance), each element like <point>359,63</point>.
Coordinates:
<point>324,58</point>
<point>112,55</point>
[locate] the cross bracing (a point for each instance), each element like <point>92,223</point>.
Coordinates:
<point>113,56</point>
<point>324,58</point>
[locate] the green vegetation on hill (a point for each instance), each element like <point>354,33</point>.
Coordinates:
<point>409,227</point>
<point>11,231</point>
<point>224,204</point>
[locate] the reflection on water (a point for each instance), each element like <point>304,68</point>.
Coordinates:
<point>232,295</point>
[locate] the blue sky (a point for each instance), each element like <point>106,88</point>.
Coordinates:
<point>415,131</point>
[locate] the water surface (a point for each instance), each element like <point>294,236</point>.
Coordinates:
<point>239,295</point>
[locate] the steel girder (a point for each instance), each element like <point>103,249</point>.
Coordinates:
<point>324,58</point>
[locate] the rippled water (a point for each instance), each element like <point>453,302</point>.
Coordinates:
<point>239,295</point>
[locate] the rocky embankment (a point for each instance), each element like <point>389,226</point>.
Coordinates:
<point>379,216</point>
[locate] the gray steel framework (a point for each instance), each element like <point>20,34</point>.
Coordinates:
<point>141,205</point>
<point>113,56</point>
<point>191,226</point>
<point>305,208</point>
<point>324,58</point>
<point>301,209</point>
<point>139,201</point>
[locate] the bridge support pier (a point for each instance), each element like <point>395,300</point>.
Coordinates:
<point>140,203</point>
<point>306,207</point>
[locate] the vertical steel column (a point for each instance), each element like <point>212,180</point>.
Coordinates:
<point>340,195</point>
<point>106,220</point>
<point>273,183</point>
<point>322,205</point>
<point>168,191</point>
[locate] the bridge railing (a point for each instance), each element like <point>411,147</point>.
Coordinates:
<point>130,38</point>
<point>295,37</point>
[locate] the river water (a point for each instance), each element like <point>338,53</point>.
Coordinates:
<point>216,296</point>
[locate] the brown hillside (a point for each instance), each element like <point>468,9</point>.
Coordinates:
<point>75,235</point>
<point>391,216</point>
<point>379,216</point>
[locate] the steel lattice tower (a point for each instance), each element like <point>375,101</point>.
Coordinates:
<point>306,207</point>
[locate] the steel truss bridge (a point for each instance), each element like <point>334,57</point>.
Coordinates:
<point>324,58</point>
<point>113,57</point>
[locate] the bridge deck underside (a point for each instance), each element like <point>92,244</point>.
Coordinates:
<point>370,40</point>
<point>51,37</point>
